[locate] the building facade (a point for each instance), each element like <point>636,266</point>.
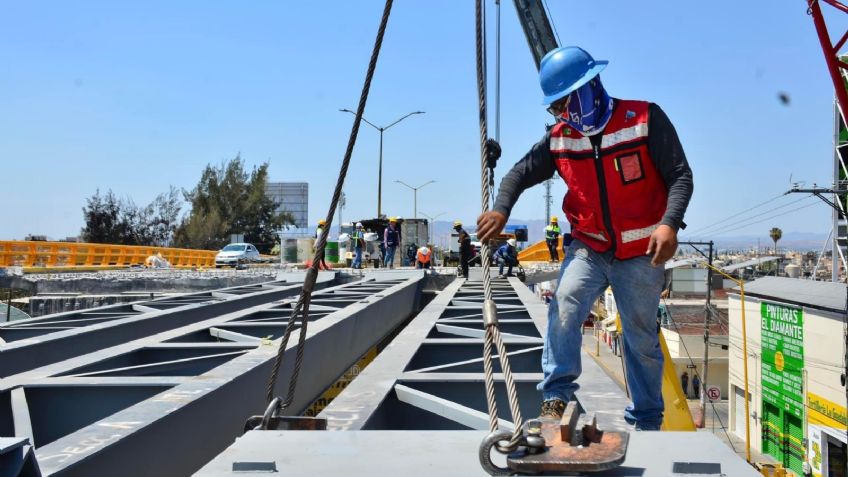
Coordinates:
<point>291,197</point>
<point>796,352</point>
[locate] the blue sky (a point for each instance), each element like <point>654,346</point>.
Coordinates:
<point>139,96</point>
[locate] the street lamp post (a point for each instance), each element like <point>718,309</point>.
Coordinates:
<point>431,219</point>
<point>380,167</point>
<point>415,195</point>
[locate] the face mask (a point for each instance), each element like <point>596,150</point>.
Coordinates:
<point>589,108</point>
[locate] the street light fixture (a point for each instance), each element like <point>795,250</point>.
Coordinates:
<point>415,194</point>
<point>380,168</point>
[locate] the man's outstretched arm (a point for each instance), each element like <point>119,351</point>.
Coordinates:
<point>534,168</point>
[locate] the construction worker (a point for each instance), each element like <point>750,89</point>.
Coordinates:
<point>696,385</point>
<point>628,187</point>
<point>391,240</point>
<point>411,251</point>
<point>506,255</point>
<point>552,238</point>
<point>423,257</point>
<point>358,238</point>
<point>466,250</point>
<point>320,230</point>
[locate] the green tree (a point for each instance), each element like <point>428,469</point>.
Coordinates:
<point>230,200</point>
<point>121,222</point>
<point>157,223</point>
<point>107,220</point>
<point>775,234</point>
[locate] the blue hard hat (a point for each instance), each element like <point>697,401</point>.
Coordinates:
<point>565,69</point>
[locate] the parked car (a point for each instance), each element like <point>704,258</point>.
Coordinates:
<point>236,254</point>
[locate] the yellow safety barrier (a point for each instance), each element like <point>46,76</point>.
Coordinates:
<point>538,252</point>
<point>36,254</point>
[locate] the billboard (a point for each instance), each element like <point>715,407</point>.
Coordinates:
<point>292,198</point>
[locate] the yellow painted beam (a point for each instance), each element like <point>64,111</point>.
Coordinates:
<point>677,416</point>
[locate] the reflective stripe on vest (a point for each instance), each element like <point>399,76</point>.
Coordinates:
<point>618,198</point>
<point>638,234</point>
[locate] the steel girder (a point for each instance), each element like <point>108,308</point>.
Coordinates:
<point>419,409</point>
<point>431,377</point>
<point>166,404</point>
<point>28,344</point>
<point>453,454</point>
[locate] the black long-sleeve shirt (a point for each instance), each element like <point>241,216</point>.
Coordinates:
<point>666,151</point>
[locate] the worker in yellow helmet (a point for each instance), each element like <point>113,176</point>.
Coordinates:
<point>322,224</point>
<point>552,238</point>
<point>391,240</point>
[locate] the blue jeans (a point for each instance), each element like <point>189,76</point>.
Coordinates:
<point>584,275</point>
<point>502,262</point>
<point>357,257</point>
<point>389,258</point>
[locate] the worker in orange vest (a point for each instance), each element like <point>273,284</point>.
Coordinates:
<point>423,257</point>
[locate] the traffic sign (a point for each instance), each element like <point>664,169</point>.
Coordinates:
<point>713,392</point>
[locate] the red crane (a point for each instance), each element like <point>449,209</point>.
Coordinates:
<point>835,66</point>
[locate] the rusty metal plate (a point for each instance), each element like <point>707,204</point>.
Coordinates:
<point>607,453</point>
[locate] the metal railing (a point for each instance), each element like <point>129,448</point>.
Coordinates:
<point>69,254</point>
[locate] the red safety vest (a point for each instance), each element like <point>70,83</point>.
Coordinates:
<point>616,197</point>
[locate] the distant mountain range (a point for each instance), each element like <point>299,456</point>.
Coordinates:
<point>800,241</point>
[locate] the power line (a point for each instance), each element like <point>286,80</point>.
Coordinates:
<point>713,229</point>
<point>740,213</point>
<point>767,218</point>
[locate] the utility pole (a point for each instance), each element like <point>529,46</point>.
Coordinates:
<point>707,316</point>
<point>547,200</point>
<point>836,203</point>
<point>380,167</point>
<point>708,310</point>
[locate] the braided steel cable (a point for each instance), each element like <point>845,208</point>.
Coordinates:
<point>493,335</point>
<point>312,274</point>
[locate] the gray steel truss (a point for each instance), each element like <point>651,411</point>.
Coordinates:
<point>420,409</point>
<point>28,344</point>
<point>17,458</point>
<point>167,403</point>
<point>432,375</point>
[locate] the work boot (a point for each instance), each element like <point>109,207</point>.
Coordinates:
<point>552,409</point>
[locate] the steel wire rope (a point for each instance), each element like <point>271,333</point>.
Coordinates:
<point>492,335</point>
<point>553,25</point>
<point>722,232</point>
<point>696,373</point>
<point>312,274</point>
<point>696,231</point>
<point>712,230</point>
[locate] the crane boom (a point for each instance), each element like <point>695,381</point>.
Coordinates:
<point>537,28</point>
